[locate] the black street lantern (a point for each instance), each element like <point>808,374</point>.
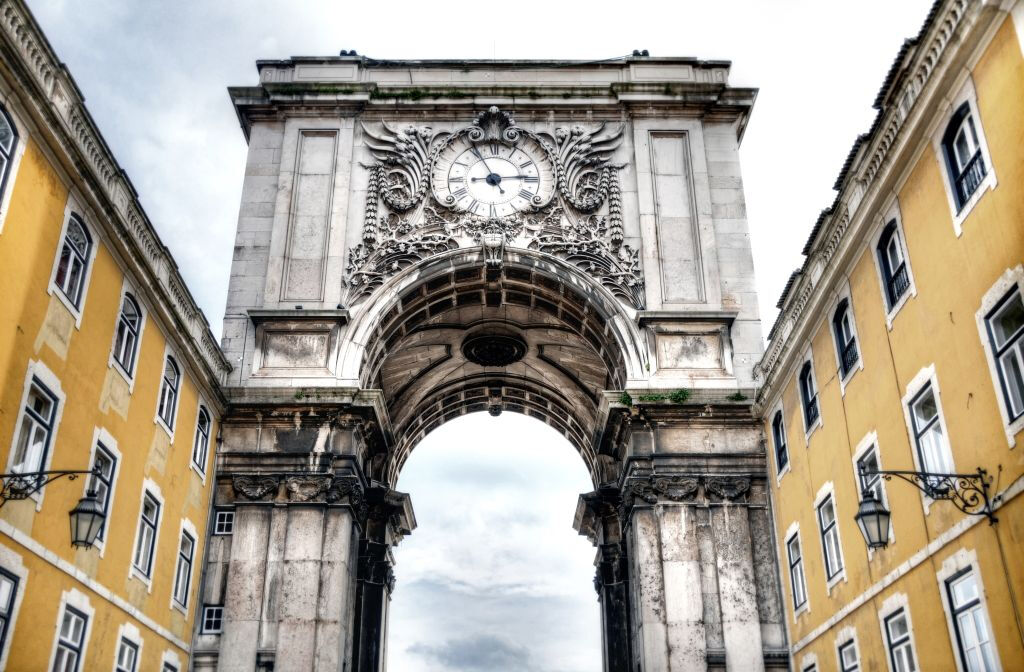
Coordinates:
<point>86,521</point>
<point>873,519</point>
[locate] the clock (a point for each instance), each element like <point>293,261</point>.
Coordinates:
<point>493,179</point>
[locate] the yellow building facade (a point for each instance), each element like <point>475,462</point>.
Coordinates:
<point>106,364</point>
<point>900,346</point>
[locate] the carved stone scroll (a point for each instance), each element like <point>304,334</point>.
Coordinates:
<point>256,487</point>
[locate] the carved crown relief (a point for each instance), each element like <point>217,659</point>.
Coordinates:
<point>556,194</point>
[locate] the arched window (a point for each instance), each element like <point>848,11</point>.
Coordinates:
<point>202,442</point>
<point>808,395</point>
<point>169,393</point>
<point>8,143</point>
<point>126,339</point>
<point>963,155</point>
<point>74,260</point>
<point>846,342</point>
<point>893,264</point>
<point>779,438</point>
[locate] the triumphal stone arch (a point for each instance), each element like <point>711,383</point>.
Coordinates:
<point>419,240</point>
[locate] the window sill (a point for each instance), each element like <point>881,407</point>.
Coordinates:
<point>179,607</point>
<point>1012,430</point>
<point>890,317</point>
<point>845,380</point>
<point>198,470</point>
<point>838,578</point>
<point>136,573</point>
<point>116,365</point>
<point>785,470</point>
<point>807,434</point>
<point>160,421</point>
<point>802,611</point>
<point>959,217</point>
<point>76,312</point>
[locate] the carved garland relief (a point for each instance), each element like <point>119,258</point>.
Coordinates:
<point>494,184</point>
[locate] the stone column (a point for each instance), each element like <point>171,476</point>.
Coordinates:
<point>650,639</point>
<point>684,606</point>
<point>336,584</point>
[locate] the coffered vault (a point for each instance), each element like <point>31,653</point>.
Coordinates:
<point>418,240</point>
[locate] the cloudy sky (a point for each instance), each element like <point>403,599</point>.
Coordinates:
<point>494,578</point>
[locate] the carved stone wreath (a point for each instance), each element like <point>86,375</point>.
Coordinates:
<point>403,224</point>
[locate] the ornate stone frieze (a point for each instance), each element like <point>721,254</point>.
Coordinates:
<point>350,487</point>
<point>657,489</point>
<point>407,219</point>
<point>727,487</point>
<point>306,488</point>
<point>256,487</point>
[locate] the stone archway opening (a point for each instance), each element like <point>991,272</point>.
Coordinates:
<point>494,577</point>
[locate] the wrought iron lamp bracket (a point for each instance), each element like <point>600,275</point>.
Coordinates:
<point>967,492</point>
<point>22,486</point>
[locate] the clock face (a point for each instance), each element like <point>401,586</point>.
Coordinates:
<point>492,179</point>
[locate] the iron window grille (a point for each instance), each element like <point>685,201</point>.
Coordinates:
<point>894,264</point>
<point>101,482</point>
<point>846,342</point>
<point>848,661</point>
<point>213,620</point>
<point>796,572</point>
<point>897,637</point>
<point>8,143</point>
<point>35,430</point>
<point>183,572</point>
<point>145,543</point>
<point>963,155</point>
<point>779,438</point>
<point>8,593</point>
<point>1005,325</point>
<point>70,641</point>
<point>809,396</point>
<point>973,632</point>
<point>169,392</point>
<point>127,656</point>
<point>224,522</point>
<point>126,340</point>
<point>73,261</point>
<point>201,445</point>
<point>830,538</point>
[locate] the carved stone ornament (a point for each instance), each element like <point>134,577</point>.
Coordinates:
<point>350,487</point>
<point>727,487</point>
<point>255,487</point>
<point>306,488</point>
<point>579,220</point>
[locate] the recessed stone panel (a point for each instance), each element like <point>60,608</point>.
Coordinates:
<point>689,351</point>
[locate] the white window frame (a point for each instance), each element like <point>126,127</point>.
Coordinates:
<point>818,422</point>
<point>102,436</point>
<point>73,210</point>
<point>127,288</point>
<point>809,662</point>
<point>216,521</point>
<point>12,564</point>
<point>170,660</point>
<point>202,619</point>
<point>966,94</point>
<point>826,492</point>
<point>865,445</point>
<point>779,473</point>
<point>963,560</point>
<point>148,486</point>
<point>892,214</point>
<point>186,527</point>
<point>791,533</point>
<point>890,606</point>
<point>845,378</point>
<point>38,370</point>
<point>196,466</point>
<point>80,603</point>
<point>130,633</point>
<point>925,377</point>
<point>1012,277</point>
<point>847,636</point>
<point>168,352</point>
<point>17,151</point>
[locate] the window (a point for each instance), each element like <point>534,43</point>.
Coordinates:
<point>8,592</point>
<point>796,572</point>
<point>963,155</point>
<point>169,393</point>
<point>973,634</point>
<point>35,430</point>
<point>779,438</point>
<point>183,573</point>
<point>846,342</point>
<point>202,441</point>
<point>73,261</point>
<point>70,641</point>
<point>895,275</point>
<point>808,396</point>
<point>127,656</point>
<point>224,523</point>
<point>213,620</point>
<point>813,667</point>
<point>897,637</point>
<point>104,465</point>
<point>932,450</point>
<point>1006,333</point>
<point>830,538</point>
<point>145,542</point>
<point>870,483</point>
<point>126,339</point>
<point>848,661</point>
<point>8,143</point>
<point>169,667</point>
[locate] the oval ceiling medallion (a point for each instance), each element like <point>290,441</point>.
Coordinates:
<point>493,349</point>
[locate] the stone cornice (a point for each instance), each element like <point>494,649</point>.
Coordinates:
<point>870,173</point>
<point>60,111</point>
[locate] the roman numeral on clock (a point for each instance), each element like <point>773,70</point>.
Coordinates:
<point>460,193</point>
<point>526,164</point>
<point>460,180</point>
<point>523,193</point>
<point>531,178</point>
<point>494,149</point>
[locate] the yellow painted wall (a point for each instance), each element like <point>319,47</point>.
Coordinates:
<point>39,327</point>
<point>937,326</point>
